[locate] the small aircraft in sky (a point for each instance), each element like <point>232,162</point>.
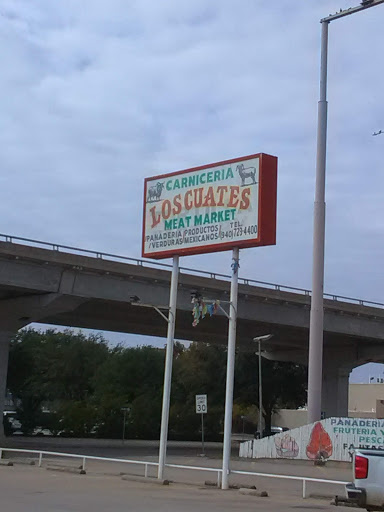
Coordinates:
<point>377,133</point>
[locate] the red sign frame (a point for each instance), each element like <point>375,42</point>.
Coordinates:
<point>267,205</point>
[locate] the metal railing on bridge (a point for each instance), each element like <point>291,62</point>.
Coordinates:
<point>204,273</point>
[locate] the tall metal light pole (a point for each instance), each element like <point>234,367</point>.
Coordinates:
<point>315,359</point>
<point>259,339</point>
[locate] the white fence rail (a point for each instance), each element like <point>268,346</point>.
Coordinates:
<point>303,479</point>
<point>84,458</point>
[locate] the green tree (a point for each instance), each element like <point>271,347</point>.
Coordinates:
<point>130,377</point>
<point>84,384</point>
<point>200,369</point>
<point>22,381</point>
<point>284,384</point>
<point>77,417</point>
<point>49,368</point>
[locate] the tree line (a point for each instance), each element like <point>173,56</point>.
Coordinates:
<point>77,385</point>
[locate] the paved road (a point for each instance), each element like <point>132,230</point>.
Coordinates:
<point>33,489</point>
<point>115,447</point>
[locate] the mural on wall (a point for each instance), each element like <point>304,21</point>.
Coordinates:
<point>286,447</point>
<point>329,439</point>
<point>320,444</point>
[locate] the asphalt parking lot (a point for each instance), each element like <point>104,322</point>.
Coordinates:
<point>182,453</point>
<point>33,489</point>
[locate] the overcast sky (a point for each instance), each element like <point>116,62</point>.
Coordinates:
<point>97,94</point>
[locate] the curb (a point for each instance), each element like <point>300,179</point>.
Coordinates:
<point>317,496</point>
<point>144,479</point>
<point>64,469</point>
<point>25,462</point>
<point>253,492</point>
<point>212,483</point>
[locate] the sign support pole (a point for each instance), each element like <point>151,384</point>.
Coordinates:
<point>230,369</point>
<point>168,366</point>
<point>260,395</point>
<point>202,433</point>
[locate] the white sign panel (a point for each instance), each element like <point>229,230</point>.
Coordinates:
<point>211,208</point>
<point>201,404</point>
<point>332,438</point>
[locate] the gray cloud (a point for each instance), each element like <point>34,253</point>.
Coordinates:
<point>97,95</point>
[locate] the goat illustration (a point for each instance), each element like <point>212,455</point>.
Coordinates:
<point>154,192</point>
<point>246,172</point>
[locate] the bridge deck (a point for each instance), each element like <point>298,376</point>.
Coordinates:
<point>101,289</point>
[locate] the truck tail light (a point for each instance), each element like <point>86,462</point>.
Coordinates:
<point>361,467</point>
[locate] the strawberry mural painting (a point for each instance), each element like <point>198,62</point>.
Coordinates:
<point>320,444</point>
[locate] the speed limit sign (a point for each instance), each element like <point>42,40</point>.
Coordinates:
<point>201,404</point>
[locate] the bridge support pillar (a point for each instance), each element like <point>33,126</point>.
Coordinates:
<point>5,338</point>
<point>335,391</point>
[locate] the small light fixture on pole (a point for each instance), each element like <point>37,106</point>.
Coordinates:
<point>259,339</point>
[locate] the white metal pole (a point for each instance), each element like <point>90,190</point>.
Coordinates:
<point>304,489</point>
<point>168,366</point>
<point>202,433</point>
<point>230,370</point>
<point>260,395</point>
<point>315,358</point>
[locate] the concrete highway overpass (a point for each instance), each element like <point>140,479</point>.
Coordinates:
<point>58,285</point>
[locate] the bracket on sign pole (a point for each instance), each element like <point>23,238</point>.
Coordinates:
<point>219,306</point>
<point>136,302</point>
<point>222,309</point>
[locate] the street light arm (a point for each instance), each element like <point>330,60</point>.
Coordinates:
<point>346,12</point>
<point>156,308</point>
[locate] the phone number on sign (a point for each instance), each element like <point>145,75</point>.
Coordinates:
<point>237,232</point>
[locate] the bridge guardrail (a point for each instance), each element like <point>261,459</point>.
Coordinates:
<point>204,273</point>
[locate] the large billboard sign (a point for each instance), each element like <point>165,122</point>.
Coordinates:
<point>211,208</point>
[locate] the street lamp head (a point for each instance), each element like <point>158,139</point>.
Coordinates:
<point>265,337</point>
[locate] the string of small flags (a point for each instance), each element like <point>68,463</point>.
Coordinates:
<point>200,309</point>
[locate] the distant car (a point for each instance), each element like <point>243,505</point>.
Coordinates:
<point>272,432</point>
<point>66,433</point>
<point>39,432</point>
<point>17,433</point>
<point>11,417</point>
